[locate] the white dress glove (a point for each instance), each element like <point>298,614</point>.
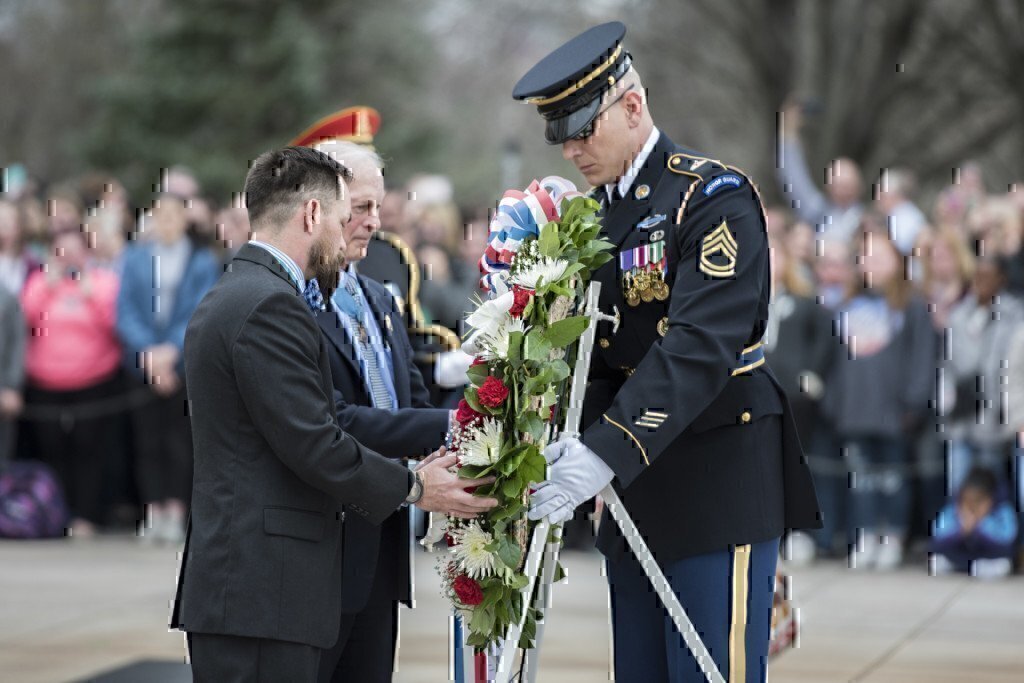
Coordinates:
<point>575,474</point>
<point>450,369</point>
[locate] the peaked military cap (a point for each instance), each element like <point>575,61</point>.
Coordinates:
<point>567,85</point>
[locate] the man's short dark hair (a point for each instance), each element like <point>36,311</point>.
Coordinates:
<point>279,180</point>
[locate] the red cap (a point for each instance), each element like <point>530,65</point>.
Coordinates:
<point>355,124</point>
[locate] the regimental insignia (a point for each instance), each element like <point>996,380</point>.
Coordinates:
<point>652,419</point>
<point>642,192</point>
<point>663,326</point>
<point>718,252</point>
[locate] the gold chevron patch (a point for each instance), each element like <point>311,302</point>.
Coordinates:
<point>721,244</point>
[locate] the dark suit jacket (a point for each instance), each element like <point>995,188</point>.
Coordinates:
<point>275,475</point>
<point>415,430</point>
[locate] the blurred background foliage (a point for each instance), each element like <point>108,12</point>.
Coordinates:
<point>131,86</point>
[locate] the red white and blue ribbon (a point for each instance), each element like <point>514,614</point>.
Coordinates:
<point>520,215</point>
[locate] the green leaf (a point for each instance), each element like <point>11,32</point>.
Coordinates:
<point>473,471</point>
<point>482,620</point>
<point>510,463</point>
<point>558,370</point>
<point>508,551</point>
<point>531,423</point>
<point>509,511</point>
<point>536,347</point>
<point>565,332</point>
<point>477,374</point>
<point>571,270</point>
<point>474,402</point>
<point>515,349</point>
<point>548,243</point>
<point>549,398</point>
<point>491,597</point>
<point>559,572</point>
<point>533,465</point>
<point>511,488</point>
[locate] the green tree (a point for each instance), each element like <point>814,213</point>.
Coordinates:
<point>212,84</point>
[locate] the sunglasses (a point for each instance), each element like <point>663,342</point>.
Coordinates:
<point>588,129</point>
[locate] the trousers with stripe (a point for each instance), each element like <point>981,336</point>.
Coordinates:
<point>726,594</point>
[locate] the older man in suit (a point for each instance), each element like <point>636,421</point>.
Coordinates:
<point>275,475</point>
<point>384,403</point>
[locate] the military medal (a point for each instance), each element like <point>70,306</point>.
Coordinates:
<point>659,287</point>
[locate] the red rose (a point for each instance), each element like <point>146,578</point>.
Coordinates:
<point>522,297</point>
<point>449,541</point>
<point>468,590</point>
<point>493,392</point>
<point>477,360</point>
<point>465,415</point>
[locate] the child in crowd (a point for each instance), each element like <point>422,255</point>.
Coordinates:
<point>976,533</point>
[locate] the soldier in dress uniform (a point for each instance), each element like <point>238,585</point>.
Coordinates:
<point>681,412</point>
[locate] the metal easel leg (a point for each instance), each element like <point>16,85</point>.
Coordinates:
<point>510,642</point>
<point>542,601</point>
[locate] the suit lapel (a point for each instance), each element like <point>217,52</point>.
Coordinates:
<point>381,311</point>
<point>620,220</point>
<point>335,333</point>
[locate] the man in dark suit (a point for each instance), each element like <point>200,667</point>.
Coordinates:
<point>681,412</point>
<point>382,402</point>
<point>275,475</point>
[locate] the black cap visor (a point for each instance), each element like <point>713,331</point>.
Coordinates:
<point>564,128</point>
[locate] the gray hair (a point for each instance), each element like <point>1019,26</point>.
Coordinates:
<point>349,153</point>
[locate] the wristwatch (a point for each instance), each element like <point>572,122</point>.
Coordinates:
<point>416,491</point>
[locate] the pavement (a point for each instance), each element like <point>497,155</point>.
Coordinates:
<point>76,610</point>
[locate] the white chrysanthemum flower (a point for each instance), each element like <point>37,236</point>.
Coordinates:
<point>488,322</point>
<point>493,344</point>
<point>482,444</point>
<point>471,551</point>
<point>491,313</point>
<point>543,272</point>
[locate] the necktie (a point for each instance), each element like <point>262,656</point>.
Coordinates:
<point>353,307</point>
<point>314,299</point>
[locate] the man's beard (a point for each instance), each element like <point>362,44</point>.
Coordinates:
<point>326,266</point>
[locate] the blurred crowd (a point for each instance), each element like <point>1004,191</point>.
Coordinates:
<point>91,373</point>
<point>896,328</point>
<point>897,332</point>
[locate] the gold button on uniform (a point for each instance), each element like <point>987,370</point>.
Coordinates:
<point>604,343</point>
<point>745,417</point>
